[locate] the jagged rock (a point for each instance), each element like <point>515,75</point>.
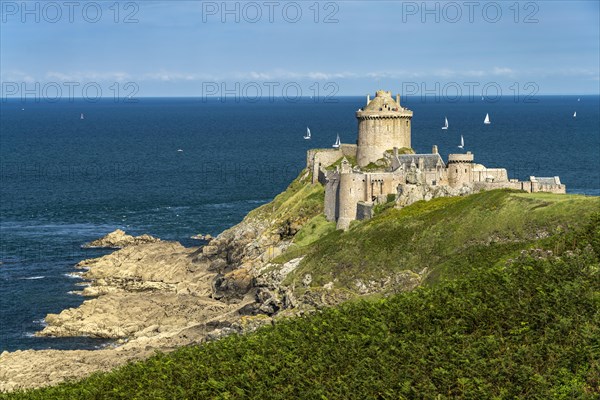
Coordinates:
<point>206,238</point>
<point>271,275</point>
<point>307,280</point>
<point>119,239</point>
<point>210,250</point>
<point>218,265</point>
<point>411,193</point>
<point>234,284</point>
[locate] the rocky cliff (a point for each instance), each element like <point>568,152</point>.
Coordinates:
<point>156,295</point>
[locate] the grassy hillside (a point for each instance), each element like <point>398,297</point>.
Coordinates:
<point>526,328</point>
<point>448,236</point>
<point>510,309</point>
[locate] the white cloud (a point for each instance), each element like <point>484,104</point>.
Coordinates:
<point>503,71</point>
<point>88,76</point>
<point>16,76</point>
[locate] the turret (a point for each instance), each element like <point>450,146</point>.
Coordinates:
<point>382,125</point>
<point>460,169</point>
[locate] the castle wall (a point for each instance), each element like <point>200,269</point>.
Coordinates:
<point>382,184</point>
<point>558,189</point>
<point>364,210</point>
<point>332,185</point>
<point>526,186</point>
<point>323,158</point>
<point>493,174</point>
<point>435,178</point>
<point>378,134</point>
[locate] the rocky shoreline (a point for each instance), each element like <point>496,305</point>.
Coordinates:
<point>154,295</point>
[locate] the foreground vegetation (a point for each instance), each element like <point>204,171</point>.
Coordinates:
<point>525,327</point>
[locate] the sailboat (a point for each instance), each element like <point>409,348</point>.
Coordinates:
<point>575,114</point>
<point>81,117</point>
<point>487,119</point>
<point>445,124</point>
<point>337,143</point>
<point>307,136</point>
<point>462,142</point>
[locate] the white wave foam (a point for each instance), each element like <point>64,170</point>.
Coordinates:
<point>74,275</point>
<point>41,322</point>
<point>31,278</point>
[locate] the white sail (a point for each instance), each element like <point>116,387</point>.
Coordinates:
<point>487,119</point>
<point>575,114</point>
<point>307,136</point>
<point>462,142</point>
<point>82,117</point>
<point>445,124</point>
<point>337,143</point>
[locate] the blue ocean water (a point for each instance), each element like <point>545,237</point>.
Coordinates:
<point>65,181</point>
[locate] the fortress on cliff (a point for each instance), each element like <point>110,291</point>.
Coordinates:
<point>382,167</point>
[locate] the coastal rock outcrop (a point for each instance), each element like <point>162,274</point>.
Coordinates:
<point>411,193</point>
<point>154,295</point>
<point>119,239</point>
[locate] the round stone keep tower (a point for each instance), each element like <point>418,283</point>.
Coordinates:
<point>382,125</point>
<point>460,169</point>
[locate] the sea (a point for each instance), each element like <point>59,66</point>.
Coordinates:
<point>176,167</point>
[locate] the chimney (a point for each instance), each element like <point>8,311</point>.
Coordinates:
<point>395,152</point>
<point>368,99</point>
<point>398,99</point>
<point>434,150</point>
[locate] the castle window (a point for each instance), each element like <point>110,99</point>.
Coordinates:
<point>406,122</point>
<point>465,170</point>
<point>456,170</point>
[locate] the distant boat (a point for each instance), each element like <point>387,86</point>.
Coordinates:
<point>462,142</point>
<point>579,99</point>
<point>81,117</point>
<point>481,98</point>
<point>180,150</point>
<point>487,119</point>
<point>337,143</point>
<point>445,123</point>
<point>307,136</point>
<point>575,114</point>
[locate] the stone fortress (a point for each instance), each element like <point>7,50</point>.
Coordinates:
<point>382,166</point>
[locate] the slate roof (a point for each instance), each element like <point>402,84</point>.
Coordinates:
<point>547,181</point>
<point>431,160</point>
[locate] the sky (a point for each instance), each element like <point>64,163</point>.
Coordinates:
<point>307,48</point>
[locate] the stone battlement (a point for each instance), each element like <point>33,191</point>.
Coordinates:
<point>460,158</point>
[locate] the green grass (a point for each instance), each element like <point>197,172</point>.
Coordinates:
<point>338,162</point>
<point>300,202</point>
<point>445,235</point>
<point>314,230</point>
<point>528,328</point>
